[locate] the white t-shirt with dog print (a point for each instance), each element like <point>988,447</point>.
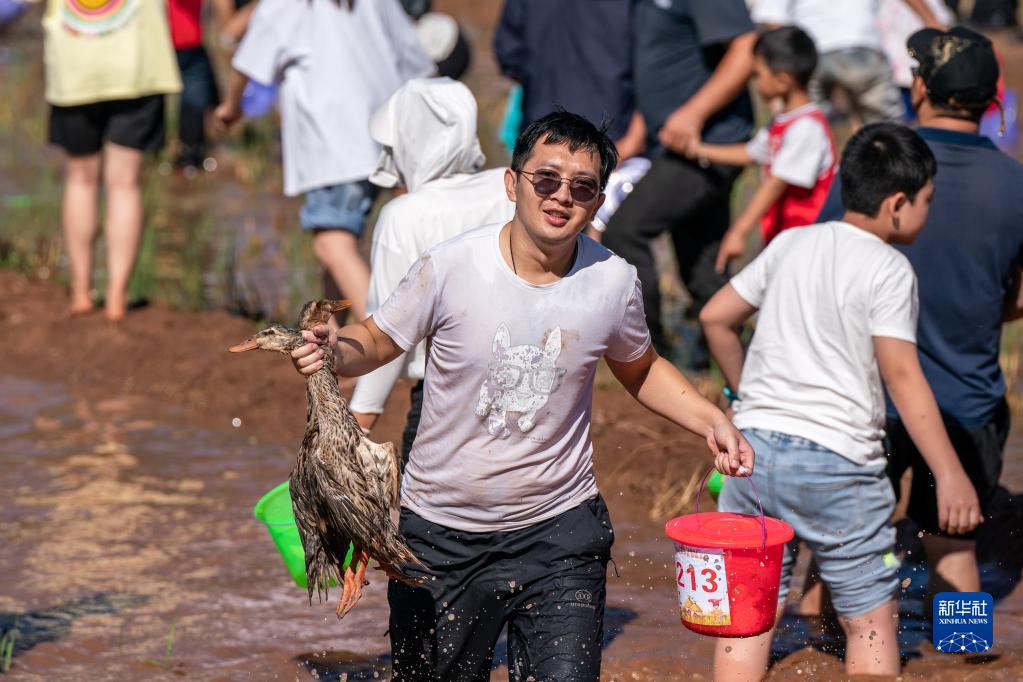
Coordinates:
<point>504,439</point>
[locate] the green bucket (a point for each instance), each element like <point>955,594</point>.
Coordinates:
<point>275,511</point>
<point>714,484</point>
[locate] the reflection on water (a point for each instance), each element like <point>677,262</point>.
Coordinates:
<point>128,525</point>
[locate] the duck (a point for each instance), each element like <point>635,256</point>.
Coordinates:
<point>344,486</point>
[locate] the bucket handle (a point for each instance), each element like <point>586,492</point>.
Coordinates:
<point>749,477</point>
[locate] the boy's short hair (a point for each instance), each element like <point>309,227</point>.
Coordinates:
<point>880,160</point>
<point>564,127</point>
<point>788,50</point>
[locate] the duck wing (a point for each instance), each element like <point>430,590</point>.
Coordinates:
<point>382,467</point>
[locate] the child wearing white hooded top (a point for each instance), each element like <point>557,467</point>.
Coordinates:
<point>428,131</point>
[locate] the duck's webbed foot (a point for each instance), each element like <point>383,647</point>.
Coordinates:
<point>354,581</point>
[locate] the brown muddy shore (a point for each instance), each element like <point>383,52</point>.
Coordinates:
<point>131,552</point>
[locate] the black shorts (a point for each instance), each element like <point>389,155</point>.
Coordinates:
<point>134,123</point>
<point>980,450</point>
<point>545,583</point>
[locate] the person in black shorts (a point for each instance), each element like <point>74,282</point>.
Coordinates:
<point>122,130</point>
<point>106,78</point>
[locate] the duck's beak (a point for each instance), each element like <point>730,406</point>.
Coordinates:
<point>338,306</point>
<point>244,346</point>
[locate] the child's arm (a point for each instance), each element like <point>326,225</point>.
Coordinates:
<point>958,508</point>
<point>722,319</point>
<point>725,154</point>
<point>733,244</point>
<point>230,110</point>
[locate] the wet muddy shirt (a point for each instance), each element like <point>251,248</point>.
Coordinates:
<point>504,440</point>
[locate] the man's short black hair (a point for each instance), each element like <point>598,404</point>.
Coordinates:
<point>880,160</point>
<point>564,127</point>
<point>788,50</point>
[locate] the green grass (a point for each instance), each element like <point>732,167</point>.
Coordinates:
<point>165,662</point>
<point>7,640</point>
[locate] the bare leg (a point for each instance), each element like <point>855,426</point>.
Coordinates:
<point>812,601</point>
<point>338,253</point>
<point>953,564</point>
<point>79,215</point>
<point>872,645</point>
<point>745,659</point>
<point>123,224</point>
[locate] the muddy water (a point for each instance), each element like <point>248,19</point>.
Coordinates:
<point>130,552</point>
<point>116,528</point>
<point>125,535</point>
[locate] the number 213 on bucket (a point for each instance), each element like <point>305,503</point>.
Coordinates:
<point>702,585</point>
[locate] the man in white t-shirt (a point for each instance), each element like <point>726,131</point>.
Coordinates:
<point>428,131</point>
<point>499,499</point>
<point>848,41</point>
<point>838,311</point>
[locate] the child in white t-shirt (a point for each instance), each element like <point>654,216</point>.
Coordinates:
<point>795,149</point>
<point>837,313</point>
<point>337,62</point>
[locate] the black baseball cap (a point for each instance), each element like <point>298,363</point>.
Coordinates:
<point>958,66</point>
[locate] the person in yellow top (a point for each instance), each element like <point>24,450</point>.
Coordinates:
<point>109,64</point>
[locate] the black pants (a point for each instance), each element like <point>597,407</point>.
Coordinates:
<point>690,203</point>
<point>415,411</point>
<point>545,583</point>
<point>980,451</point>
<point>199,93</point>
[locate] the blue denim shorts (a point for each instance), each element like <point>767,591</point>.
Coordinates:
<point>338,207</point>
<point>840,509</point>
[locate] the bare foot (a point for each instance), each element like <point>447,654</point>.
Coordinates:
<point>115,308</point>
<point>80,307</point>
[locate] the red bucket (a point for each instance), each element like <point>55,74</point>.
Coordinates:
<point>727,568</point>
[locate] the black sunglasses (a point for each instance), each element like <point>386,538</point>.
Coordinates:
<point>545,183</point>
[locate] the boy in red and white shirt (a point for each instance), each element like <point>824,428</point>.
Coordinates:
<point>795,149</point>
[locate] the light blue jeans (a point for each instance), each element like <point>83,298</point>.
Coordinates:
<point>338,207</point>
<point>840,509</point>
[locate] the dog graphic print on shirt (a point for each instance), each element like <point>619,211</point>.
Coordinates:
<point>519,379</point>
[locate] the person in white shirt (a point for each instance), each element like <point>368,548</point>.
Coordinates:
<point>428,131</point>
<point>837,313</point>
<point>851,54</point>
<point>499,499</point>
<point>336,61</point>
